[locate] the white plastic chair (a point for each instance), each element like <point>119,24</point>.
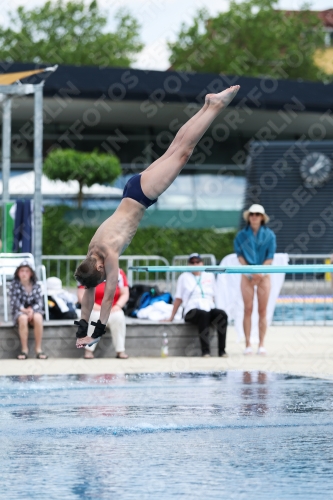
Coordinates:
<point>9,262</point>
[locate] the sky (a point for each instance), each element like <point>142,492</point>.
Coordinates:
<point>160,20</point>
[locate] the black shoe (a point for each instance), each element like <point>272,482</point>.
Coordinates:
<point>224,355</point>
<point>206,355</point>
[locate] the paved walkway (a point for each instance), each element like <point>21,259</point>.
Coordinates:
<point>300,350</point>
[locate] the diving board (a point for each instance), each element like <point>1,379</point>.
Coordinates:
<point>289,269</point>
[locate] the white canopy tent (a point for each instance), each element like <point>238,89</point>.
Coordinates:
<point>24,185</point>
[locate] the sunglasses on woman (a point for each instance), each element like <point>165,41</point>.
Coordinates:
<point>257,214</point>
<point>195,262</point>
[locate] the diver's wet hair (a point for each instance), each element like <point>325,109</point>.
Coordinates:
<point>87,273</point>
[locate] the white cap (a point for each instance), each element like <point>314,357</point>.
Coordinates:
<point>54,285</point>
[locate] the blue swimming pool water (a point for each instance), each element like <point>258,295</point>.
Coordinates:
<point>225,435</point>
<point>303,313</point>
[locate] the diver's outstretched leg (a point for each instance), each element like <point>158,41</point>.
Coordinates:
<point>179,136</point>
<point>158,177</point>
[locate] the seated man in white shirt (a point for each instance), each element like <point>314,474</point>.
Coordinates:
<point>196,291</point>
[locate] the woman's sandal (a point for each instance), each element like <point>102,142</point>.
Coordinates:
<point>41,355</point>
<point>24,355</point>
<point>88,357</point>
<point>119,356</point>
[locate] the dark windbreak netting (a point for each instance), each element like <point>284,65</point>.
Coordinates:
<point>294,182</point>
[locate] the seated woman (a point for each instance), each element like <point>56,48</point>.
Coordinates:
<point>117,321</point>
<point>26,304</point>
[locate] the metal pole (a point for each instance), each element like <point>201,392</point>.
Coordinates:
<point>38,167</point>
<point>129,272</point>
<point>6,145</point>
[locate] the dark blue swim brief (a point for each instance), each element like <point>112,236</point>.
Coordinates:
<point>133,190</point>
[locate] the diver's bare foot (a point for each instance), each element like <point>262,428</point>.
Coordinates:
<point>82,342</point>
<point>222,99</point>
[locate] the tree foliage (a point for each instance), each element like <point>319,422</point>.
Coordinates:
<point>251,39</point>
<point>86,168</point>
<point>69,33</point>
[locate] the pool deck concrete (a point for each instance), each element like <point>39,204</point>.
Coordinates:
<point>301,350</point>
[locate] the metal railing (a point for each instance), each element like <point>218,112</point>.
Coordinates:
<point>63,267</point>
<point>306,299</point>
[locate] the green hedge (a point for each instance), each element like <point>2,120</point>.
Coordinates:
<point>62,238</point>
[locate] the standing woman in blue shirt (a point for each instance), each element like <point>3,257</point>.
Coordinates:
<point>255,245</point>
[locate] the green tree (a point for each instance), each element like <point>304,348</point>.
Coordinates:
<point>251,39</point>
<point>86,168</point>
<point>69,33</point>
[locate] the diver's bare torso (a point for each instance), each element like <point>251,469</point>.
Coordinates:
<point>109,241</point>
<point>116,232</point>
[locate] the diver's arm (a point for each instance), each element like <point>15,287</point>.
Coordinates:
<point>111,271</point>
<point>87,304</point>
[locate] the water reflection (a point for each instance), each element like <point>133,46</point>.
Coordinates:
<point>254,393</point>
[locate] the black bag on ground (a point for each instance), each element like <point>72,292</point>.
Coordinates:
<point>56,313</point>
<point>136,292</point>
